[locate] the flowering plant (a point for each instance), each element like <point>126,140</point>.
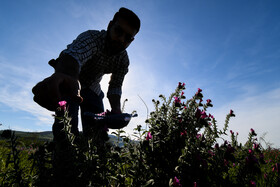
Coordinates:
<point>182,147</point>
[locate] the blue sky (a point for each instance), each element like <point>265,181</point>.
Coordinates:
<point>229,49</point>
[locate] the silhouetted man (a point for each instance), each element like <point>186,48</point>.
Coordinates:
<point>80,67</point>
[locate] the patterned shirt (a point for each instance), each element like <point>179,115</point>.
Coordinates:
<point>89,51</point>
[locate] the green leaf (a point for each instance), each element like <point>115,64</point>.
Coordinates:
<point>150,182</point>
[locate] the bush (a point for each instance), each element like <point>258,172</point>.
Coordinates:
<point>181,148</point>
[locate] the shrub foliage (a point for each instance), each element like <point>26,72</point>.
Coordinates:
<point>182,147</point>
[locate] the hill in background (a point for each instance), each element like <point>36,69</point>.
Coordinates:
<point>48,136</point>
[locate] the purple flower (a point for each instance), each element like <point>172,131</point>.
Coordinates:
<point>176,182</point>
<point>62,104</point>
<point>231,132</point>
<point>198,136</point>
<point>149,136</point>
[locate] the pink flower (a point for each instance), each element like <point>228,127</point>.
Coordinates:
<point>198,94</point>
<point>198,136</point>
<point>176,182</point>
<point>216,146</point>
<point>226,162</point>
<point>253,132</point>
<point>252,183</point>
<point>231,132</point>
<point>211,153</point>
<point>256,146</point>
<point>231,113</point>
<point>209,102</point>
<point>184,133</point>
<point>177,101</point>
<point>203,114</point>
<point>182,93</point>
<point>200,104</point>
<point>277,165</point>
<point>149,136</point>
<point>210,116</point>
<point>181,85</point>
<point>194,184</point>
<point>180,120</point>
<point>250,151</point>
<point>62,104</point>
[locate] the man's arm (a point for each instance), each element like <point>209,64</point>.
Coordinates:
<point>68,65</point>
<point>63,83</point>
<point>115,85</point>
<point>115,102</point>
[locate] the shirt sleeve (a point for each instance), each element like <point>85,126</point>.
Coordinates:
<point>117,77</point>
<point>83,47</point>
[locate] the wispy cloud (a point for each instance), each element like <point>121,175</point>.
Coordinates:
<point>16,92</point>
<point>258,111</point>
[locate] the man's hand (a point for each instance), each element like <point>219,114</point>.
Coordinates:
<point>53,89</point>
<point>115,102</point>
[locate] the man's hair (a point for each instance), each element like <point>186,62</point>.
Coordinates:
<point>129,16</point>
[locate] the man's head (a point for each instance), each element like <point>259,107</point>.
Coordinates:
<point>122,29</point>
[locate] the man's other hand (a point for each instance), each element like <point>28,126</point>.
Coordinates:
<point>55,88</point>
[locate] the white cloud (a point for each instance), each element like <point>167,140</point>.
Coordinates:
<point>258,111</point>
<point>16,92</point>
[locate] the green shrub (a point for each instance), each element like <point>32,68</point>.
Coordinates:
<point>180,148</point>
